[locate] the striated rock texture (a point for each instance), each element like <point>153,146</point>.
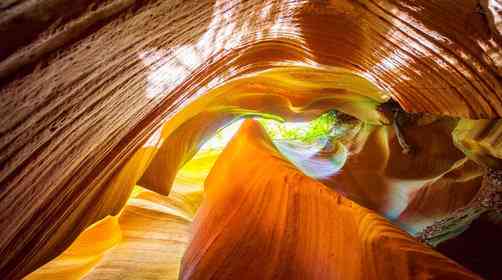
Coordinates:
<point>282,93</point>
<point>263,219</point>
<point>154,233</point>
<point>145,241</point>
<point>85,84</point>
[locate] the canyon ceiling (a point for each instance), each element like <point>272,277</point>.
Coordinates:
<point>105,104</point>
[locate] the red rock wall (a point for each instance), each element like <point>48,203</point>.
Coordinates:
<point>85,83</point>
<point>263,219</point>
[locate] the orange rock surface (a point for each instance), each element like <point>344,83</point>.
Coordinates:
<point>96,96</point>
<point>263,219</point>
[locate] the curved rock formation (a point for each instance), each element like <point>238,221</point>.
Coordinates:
<point>93,92</point>
<point>262,219</point>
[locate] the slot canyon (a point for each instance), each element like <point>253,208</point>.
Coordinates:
<point>250,139</point>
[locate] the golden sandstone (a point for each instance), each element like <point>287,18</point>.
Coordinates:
<point>104,106</point>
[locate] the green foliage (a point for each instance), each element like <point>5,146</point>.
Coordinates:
<point>310,132</point>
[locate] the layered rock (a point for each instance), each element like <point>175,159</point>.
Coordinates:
<point>263,219</point>
<point>85,86</point>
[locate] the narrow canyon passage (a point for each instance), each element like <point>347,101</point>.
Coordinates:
<point>375,126</point>
<point>272,222</point>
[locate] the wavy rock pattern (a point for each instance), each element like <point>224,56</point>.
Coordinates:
<point>387,183</point>
<point>441,197</point>
<point>84,84</point>
<point>288,93</point>
<point>154,232</point>
<point>488,199</point>
<point>87,250</point>
<point>481,141</point>
<point>273,222</point>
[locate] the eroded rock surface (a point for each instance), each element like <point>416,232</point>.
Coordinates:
<point>87,85</point>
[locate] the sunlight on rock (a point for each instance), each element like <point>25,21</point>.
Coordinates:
<point>257,139</point>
